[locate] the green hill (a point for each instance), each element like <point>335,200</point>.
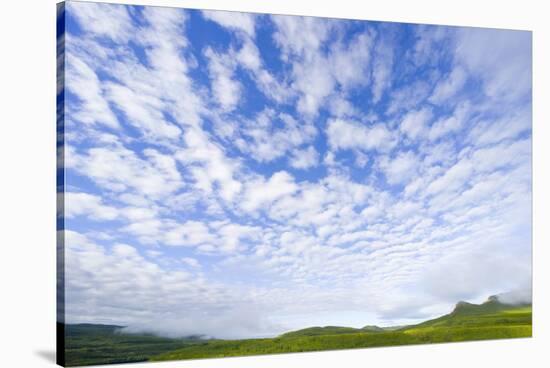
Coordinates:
<point>373,329</point>
<point>467,322</point>
<point>92,344</point>
<point>490,313</point>
<point>102,344</point>
<point>89,329</point>
<point>331,330</point>
<point>319,331</point>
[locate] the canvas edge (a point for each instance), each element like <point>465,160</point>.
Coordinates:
<point>60,183</point>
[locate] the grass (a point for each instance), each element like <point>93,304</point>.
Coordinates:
<point>220,349</point>
<point>476,322</point>
<point>317,331</point>
<point>98,344</point>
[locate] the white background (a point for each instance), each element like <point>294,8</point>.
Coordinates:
<point>27,181</point>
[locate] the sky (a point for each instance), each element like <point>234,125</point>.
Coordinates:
<point>241,175</point>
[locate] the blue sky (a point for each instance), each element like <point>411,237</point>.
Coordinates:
<point>241,175</point>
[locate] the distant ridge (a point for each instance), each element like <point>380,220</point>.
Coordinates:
<point>373,328</point>
<point>462,309</point>
<point>491,305</point>
<point>318,331</point>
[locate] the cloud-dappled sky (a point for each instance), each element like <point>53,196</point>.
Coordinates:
<point>242,175</point>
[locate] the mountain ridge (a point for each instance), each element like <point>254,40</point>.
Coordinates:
<point>461,309</point>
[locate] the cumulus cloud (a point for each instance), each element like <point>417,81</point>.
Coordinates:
<point>304,159</point>
<point>316,73</point>
<point>209,164</point>
<point>449,124</point>
<point>348,134</point>
<point>414,123</point>
<point>118,169</point>
<point>237,21</point>
<point>263,192</point>
<point>504,128</point>
<point>225,88</point>
<point>400,168</point>
<point>449,86</point>
<point>271,136</point>
<point>103,20</point>
<point>141,111</point>
<point>84,204</point>
<point>84,83</point>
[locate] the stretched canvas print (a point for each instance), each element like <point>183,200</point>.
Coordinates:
<point>236,184</point>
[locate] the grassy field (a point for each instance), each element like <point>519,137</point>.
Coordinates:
<point>96,344</point>
<point>466,323</point>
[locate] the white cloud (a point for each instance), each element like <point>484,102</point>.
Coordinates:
<point>142,111</point>
<point>452,179</point>
<point>443,153</point>
<point>299,35</point>
<point>238,21</point>
<point>316,73</point>
<point>124,269</point>
<point>209,164</point>
<point>405,209</point>
<point>523,295</point>
<point>361,160</point>
<point>272,135</point>
<point>501,58</point>
<point>414,123</point>
<point>304,159</point>
<point>502,155</point>
<point>231,235</point>
<point>348,134</point>
<point>118,169</point>
<point>450,124</point>
<point>427,49</point>
<point>463,275</point>
<point>85,204</point>
<point>260,192</point>
<point>191,262</point>
<point>505,128</point>
<point>382,68</point>
<point>190,234</point>
<point>400,168</point>
<point>84,83</point>
<point>408,97</point>
<point>342,108</point>
<point>448,86</point>
<point>103,20</point>
<point>350,64</point>
<point>226,90</point>
<point>249,58</point>
<point>314,82</point>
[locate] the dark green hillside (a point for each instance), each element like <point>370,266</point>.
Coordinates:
<point>317,331</point>
<point>331,330</point>
<point>88,329</point>
<point>373,329</point>
<point>91,344</point>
